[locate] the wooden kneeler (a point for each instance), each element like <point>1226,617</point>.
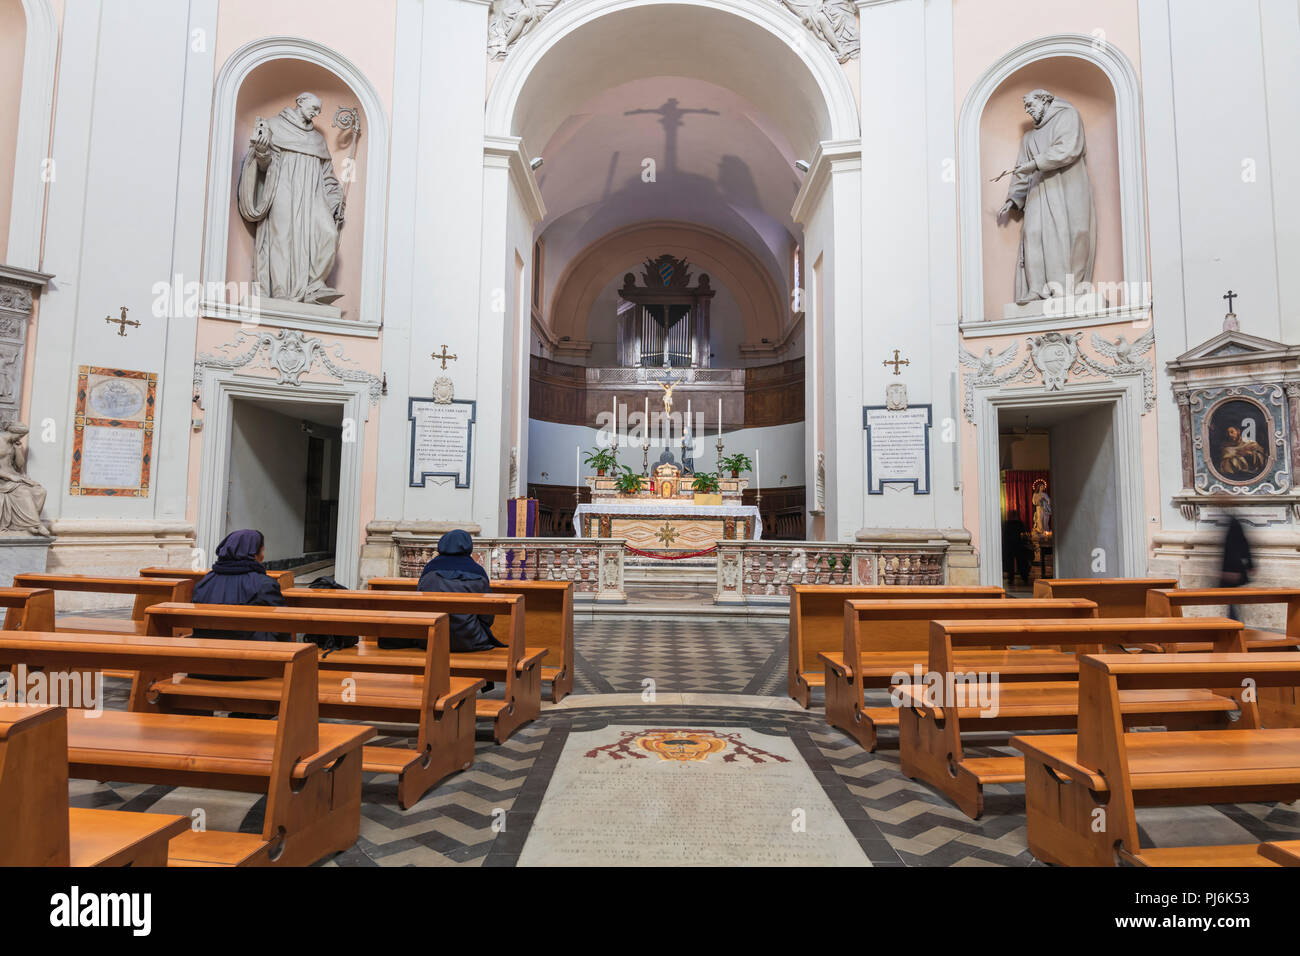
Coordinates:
<point>1081,790</point>
<point>930,730</point>
<point>310,772</point>
<point>37,827</point>
<point>442,706</point>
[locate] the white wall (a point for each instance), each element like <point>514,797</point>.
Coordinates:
<point>1085,509</point>
<point>268,470</point>
<point>1222,130</point>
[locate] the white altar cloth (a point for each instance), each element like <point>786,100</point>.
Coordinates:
<point>645,507</point>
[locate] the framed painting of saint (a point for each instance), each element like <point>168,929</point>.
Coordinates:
<point>1236,440</point>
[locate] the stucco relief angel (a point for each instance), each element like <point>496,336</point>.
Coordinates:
<point>511,19</point>
<point>834,22</point>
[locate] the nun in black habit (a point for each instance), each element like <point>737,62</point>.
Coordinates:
<point>454,570</point>
<point>238,577</point>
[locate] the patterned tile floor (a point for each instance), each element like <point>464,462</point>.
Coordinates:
<point>483,816</point>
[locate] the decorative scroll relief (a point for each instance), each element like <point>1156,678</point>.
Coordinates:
<point>1054,358</point>
<point>832,22</point>
<point>289,354</point>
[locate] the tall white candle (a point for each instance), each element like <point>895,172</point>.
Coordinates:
<point>577,468</point>
<point>646,423</point>
<point>613,429</point>
<point>757,483</point>
<point>719,418</point>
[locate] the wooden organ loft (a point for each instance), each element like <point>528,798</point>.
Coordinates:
<point>664,322</point>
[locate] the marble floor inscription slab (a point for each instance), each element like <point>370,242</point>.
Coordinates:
<point>645,796</point>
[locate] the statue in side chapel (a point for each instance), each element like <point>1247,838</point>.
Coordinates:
<point>288,190</point>
<point>1042,503</point>
<point>1058,238</point>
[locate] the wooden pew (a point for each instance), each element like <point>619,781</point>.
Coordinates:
<point>882,639</point>
<point>28,609</point>
<point>1278,706</point>
<point>1081,789</point>
<point>513,664</point>
<point>37,828</point>
<point>309,771</point>
<point>817,623</point>
<point>1115,597</point>
<point>146,591</point>
<point>283,578</point>
<point>930,726</point>
<point>548,623</point>
<point>442,707</point>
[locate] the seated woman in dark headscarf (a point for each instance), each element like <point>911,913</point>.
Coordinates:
<point>454,570</point>
<point>238,577</point>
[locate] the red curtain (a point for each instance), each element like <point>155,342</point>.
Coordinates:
<point>1018,493</point>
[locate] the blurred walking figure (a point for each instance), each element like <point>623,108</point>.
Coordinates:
<point>1237,561</point>
<point>1015,553</point>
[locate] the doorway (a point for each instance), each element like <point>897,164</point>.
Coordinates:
<point>284,479</point>
<point>1059,484</point>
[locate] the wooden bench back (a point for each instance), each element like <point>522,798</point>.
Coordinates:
<point>1169,602</point>
<point>34,786</point>
<point>155,658</point>
<point>147,591</point>
<point>1101,744</point>
<point>1086,636</point>
<point>28,609</point>
<point>1115,597</point>
<point>431,627</point>
<point>905,625</point>
<point>283,578</point>
<point>548,612</point>
<point>817,613</point>
<point>508,609</point>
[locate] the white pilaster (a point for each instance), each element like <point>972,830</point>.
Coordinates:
<point>909,241</point>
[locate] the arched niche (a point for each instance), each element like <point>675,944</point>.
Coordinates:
<point>592,277</point>
<point>261,79</point>
<point>1101,83</point>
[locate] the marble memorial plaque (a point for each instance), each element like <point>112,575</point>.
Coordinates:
<point>441,440</point>
<point>898,447</point>
<point>111,457</point>
<point>113,432</point>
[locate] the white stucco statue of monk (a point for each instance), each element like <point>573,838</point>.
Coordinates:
<point>287,187</point>
<point>1058,239</point>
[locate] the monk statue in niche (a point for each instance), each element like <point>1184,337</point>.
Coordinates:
<point>288,190</point>
<point>1058,238</point>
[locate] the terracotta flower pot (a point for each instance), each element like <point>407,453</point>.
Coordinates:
<point>735,473</point>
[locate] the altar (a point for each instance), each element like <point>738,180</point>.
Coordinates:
<point>666,515</point>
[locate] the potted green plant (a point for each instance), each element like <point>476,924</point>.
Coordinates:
<point>735,464</point>
<point>602,459</point>
<point>628,483</point>
<point>705,485</point>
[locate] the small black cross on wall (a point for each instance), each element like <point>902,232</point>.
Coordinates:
<point>122,323</point>
<point>1230,296</point>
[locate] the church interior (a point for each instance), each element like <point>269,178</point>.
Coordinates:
<point>650,433</point>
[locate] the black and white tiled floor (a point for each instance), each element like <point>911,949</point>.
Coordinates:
<point>896,821</point>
